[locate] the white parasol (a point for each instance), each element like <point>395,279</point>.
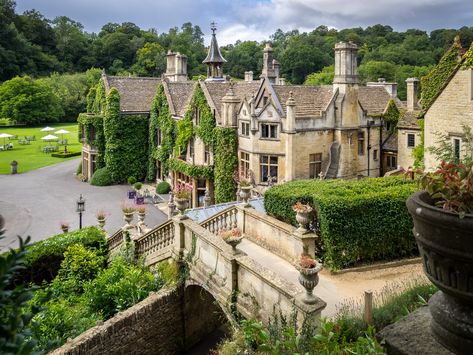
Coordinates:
<point>5,136</point>
<point>47,129</point>
<point>49,137</point>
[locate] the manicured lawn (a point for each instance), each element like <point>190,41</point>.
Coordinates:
<point>31,156</point>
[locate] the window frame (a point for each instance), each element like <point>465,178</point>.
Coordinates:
<point>245,131</point>
<point>413,136</point>
<point>361,143</point>
<point>315,165</point>
<point>270,127</point>
<point>268,165</point>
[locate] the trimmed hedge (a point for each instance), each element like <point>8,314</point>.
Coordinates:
<point>163,187</point>
<point>43,258</point>
<point>360,221</point>
<point>65,155</point>
<point>102,177</point>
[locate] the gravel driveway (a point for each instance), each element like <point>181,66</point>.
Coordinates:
<point>34,203</point>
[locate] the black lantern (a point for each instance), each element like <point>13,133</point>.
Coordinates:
<point>80,208</point>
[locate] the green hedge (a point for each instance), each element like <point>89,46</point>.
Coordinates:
<point>65,155</point>
<point>102,177</point>
<point>360,221</point>
<point>43,258</point>
<point>197,171</point>
<point>163,188</point>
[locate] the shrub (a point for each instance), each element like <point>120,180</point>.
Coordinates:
<point>163,188</point>
<point>131,180</point>
<point>138,185</point>
<point>102,177</point>
<point>119,287</point>
<point>360,221</point>
<point>65,154</point>
<point>79,168</point>
<point>44,258</point>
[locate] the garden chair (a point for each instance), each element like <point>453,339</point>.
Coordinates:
<point>10,146</point>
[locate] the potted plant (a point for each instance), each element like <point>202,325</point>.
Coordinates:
<point>232,237</point>
<point>141,209</point>
<point>101,216</point>
<point>245,190</point>
<point>443,229</point>
<point>309,276</point>
<point>128,211</point>
<point>303,212</point>
<point>64,226</point>
<point>182,194</point>
<point>131,181</point>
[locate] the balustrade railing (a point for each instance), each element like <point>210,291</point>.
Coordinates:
<point>156,240</point>
<point>227,219</point>
<point>115,240</point>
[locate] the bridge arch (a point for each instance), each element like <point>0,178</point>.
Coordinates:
<point>203,314</point>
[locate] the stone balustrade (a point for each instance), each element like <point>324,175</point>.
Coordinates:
<point>115,241</point>
<point>226,219</point>
<point>156,245</point>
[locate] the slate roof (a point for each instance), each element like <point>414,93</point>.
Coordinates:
<point>214,55</point>
<point>200,214</point>
<point>218,90</point>
<point>409,119</point>
<point>390,143</point>
<point>310,100</point>
<point>180,95</point>
<point>136,94</point>
<point>374,99</point>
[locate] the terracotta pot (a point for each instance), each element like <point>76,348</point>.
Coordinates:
<point>309,278</point>
<point>446,246</point>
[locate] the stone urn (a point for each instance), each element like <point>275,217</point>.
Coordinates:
<point>245,194</point>
<point>233,242</point>
<point>64,228</point>
<point>128,217</point>
<point>101,222</point>
<point>446,247</point>
<point>309,278</point>
<point>141,216</point>
<point>303,213</point>
<point>181,204</point>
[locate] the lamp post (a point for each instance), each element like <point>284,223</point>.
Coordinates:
<point>80,208</point>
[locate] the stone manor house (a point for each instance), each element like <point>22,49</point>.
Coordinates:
<point>284,132</point>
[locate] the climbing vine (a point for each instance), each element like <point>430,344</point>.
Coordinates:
<point>434,81</point>
<point>197,171</point>
<point>160,119</point>
<point>126,141</point>
<point>468,58</point>
<point>418,151</point>
<point>185,132</point>
<point>392,115</point>
<point>204,130</point>
<point>100,98</point>
<point>91,98</point>
<point>226,162</point>
<point>86,123</point>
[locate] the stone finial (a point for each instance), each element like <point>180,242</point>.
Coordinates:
<point>290,101</point>
<point>171,206</point>
<point>207,198</point>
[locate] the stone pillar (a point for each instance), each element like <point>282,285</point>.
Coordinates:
<point>346,69</point>
<point>179,238</point>
<point>171,206</point>
<point>254,122</point>
<point>230,103</point>
<point>290,144</point>
<point>248,76</point>
<point>412,87</point>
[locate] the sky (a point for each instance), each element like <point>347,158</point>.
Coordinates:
<point>258,19</point>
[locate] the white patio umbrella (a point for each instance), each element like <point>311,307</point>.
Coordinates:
<point>49,137</point>
<point>46,129</point>
<point>62,132</point>
<point>5,136</point>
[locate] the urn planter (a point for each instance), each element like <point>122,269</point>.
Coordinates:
<point>233,242</point>
<point>181,204</point>
<point>445,244</point>
<point>303,218</point>
<point>245,194</point>
<point>128,217</point>
<point>309,278</point>
<point>101,222</point>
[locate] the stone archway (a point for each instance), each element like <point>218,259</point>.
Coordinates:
<point>203,316</point>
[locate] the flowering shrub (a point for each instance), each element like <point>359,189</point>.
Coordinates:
<point>182,192</point>
<point>306,262</point>
<point>230,234</point>
<point>451,187</point>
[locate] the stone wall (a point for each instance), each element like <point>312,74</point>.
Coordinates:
<point>452,108</point>
<point>404,153</point>
<point>153,326</point>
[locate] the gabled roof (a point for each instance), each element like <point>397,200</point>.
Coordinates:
<point>409,120</point>
<point>179,95</point>
<point>136,94</point>
<point>375,99</point>
<point>311,101</point>
<point>390,144</point>
<point>215,91</point>
<point>214,55</point>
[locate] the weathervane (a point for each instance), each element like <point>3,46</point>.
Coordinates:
<point>213,27</point>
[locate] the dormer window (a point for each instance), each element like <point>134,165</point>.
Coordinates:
<point>265,100</point>
<point>269,131</point>
<point>245,129</point>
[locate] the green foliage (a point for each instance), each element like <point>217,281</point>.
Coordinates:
<point>323,77</point>
<point>185,132</point>
<point>163,187</point>
<point>119,287</point>
<point>102,177</point>
<point>131,180</point>
<point>100,98</point>
<point>360,221</point>
<point>433,82</point>
<point>392,114</point>
<point>160,119</point>
<point>150,60</point>
<point>468,58</point>
<point>197,171</point>
<point>443,150</point>
<point>43,258</point>
<point>28,101</point>
<point>137,185</point>
<point>90,98</point>
<point>79,168</point>
<point>418,151</point>
<point>15,337</point>
<point>126,141</point>
<point>205,129</point>
<point>226,163</point>
<point>89,123</point>
<point>67,154</point>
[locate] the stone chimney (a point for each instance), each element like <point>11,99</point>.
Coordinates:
<point>346,68</point>
<point>290,144</point>
<point>176,66</point>
<point>230,103</point>
<point>412,87</point>
<point>248,76</point>
<point>270,65</point>
<point>290,114</point>
<point>390,87</point>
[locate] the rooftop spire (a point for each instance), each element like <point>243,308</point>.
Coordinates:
<point>214,59</point>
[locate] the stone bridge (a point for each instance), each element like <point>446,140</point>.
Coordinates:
<point>235,279</point>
